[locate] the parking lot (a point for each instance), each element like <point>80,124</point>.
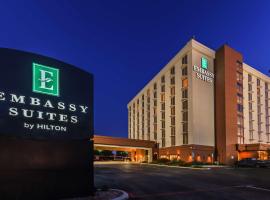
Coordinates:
<point>154,182</point>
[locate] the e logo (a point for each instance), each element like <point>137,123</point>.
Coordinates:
<point>45,79</point>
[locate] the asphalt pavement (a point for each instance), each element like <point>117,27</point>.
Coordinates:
<point>162,183</point>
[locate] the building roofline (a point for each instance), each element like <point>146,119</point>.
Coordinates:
<point>191,43</point>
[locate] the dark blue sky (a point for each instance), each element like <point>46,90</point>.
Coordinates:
<point>125,43</point>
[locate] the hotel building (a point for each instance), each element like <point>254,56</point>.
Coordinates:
<point>204,105</point>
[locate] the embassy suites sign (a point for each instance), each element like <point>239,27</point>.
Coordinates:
<point>46,127</point>
<point>41,97</point>
<point>202,72</point>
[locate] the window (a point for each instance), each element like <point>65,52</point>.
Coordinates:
<point>155,94</point>
<point>258,82</point>
<point>185,94</point>
<point>250,106</point>
<point>172,70</point>
<point>239,87</point>
<point>240,130</point>
<point>155,86</point>
<point>249,78</point>
<point>162,124</point>
<point>249,96</point>
<point>162,97</point>
<point>184,60</point>
<point>185,138</point>
<point>185,83</point>
<point>173,141</point>
<point>173,121</point>
<point>163,115</point>
<point>185,105</point>
<point>185,116</point>
<point>250,126</point>
<point>184,71</point>
<point>173,90</point>
<point>163,142</point>
<point>239,108</point>
<point>172,81</point>
<point>185,127</point>
<point>155,111</point>
<point>250,116</point>
<point>239,77</point>
<point>173,101</point>
<point>163,79</point>
<point>239,66</point>
<point>173,110</point>
<point>163,88</point>
<point>162,106</point>
<point>239,98</point>
<point>249,87</point>
<point>240,120</point>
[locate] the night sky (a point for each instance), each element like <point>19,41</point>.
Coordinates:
<point>125,43</point>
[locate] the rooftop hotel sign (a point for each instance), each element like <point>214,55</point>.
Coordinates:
<point>41,97</point>
<point>202,72</point>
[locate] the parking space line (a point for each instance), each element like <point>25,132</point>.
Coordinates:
<point>258,188</point>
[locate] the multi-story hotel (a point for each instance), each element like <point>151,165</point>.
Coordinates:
<point>204,105</point>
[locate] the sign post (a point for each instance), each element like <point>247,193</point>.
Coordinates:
<point>46,128</point>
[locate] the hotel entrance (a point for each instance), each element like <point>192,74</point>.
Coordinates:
<point>123,149</point>
<point>259,151</point>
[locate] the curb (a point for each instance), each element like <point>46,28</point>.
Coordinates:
<point>180,167</point>
<point>124,196</point>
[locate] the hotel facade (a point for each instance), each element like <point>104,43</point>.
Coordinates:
<point>204,106</point>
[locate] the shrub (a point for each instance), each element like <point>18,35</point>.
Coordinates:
<point>161,161</point>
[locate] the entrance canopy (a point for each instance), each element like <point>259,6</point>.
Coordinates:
<point>139,150</point>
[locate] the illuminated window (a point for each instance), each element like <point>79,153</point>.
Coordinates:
<point>162,97</point>
<point>185,83</point>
